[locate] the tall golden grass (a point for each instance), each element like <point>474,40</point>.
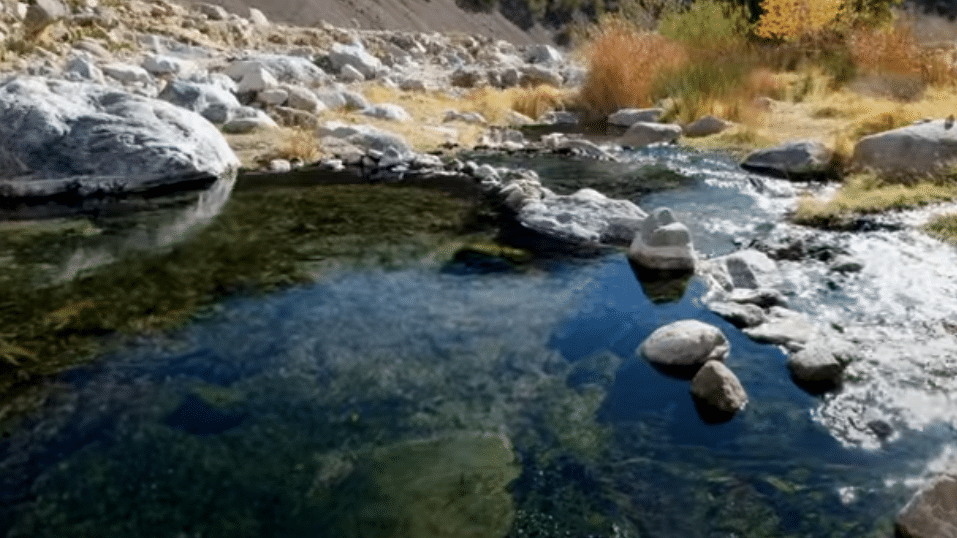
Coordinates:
<point>623,62</point>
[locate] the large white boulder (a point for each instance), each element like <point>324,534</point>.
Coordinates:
<point>585,217</point>
<point>921,148</point>
<point>685,343</point>
<point>57,135</point>
<point>662,243</point>
<point>284,68</point>
<point>342,55</point>
<point>642,134</point>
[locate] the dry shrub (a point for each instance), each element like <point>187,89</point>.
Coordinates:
<point>896,53</point>
<point>534,102</point>
<point>491,103</point>
<point>299,144</point>
<point>623,62</point>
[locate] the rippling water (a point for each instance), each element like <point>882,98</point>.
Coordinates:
<point>388,403</point>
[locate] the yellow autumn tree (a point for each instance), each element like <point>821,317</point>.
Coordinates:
<point>793,19</point>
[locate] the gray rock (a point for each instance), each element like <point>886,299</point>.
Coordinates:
<point>42,13</point>
<point>165,65</point>
<point>127,73</point>
<point>792,160</point>
<point>784,327</point>
<point>349,74</point>
<point>752,268</point>
<point>273,96</point>
<point>662,243</point>
<point>387,111</point>
<point>100,139</point>
<point>585,217</point>
<point>705,126</point>
<point>303,99</point>
<point>365,136</point>
<point>716,386</point>
<point>846,264</point>
<point>213,12</point>
<point>641,134</point>
<point>535,75</point>
<point>249,123</point>
<point>816,364</point>
<point>627,117</point>
<point>355,55</point>
<point>560,117</point>
<point>84,69</point>
<point>583,147</point>
<point>256,79</point>
<point>468,77</point>
<point>354,101</point>
<point>284,68</point>
<point>543,54</point>
<point>739,315</point>
<point>258,18</point>
<point>915,149</point>
<point>762,297</point>
<point>685,343</point>
<point>211,101</point>
<point>331,99</point>
<point>932,511</point>
<point>465,117</point>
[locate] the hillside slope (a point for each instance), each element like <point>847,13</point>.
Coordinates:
<point>414,15</point>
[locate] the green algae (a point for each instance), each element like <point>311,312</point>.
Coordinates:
<point>262,240</point>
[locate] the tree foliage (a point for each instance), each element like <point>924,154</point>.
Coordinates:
<point>792,19</point>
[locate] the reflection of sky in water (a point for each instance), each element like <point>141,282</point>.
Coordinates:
<point>415,353</point>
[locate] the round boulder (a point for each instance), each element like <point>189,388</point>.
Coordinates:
<point>718,388</point>
<point>685,343</point>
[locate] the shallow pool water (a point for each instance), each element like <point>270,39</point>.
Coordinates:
<point>431,402</point>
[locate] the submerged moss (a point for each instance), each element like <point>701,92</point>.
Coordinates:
<point>260,241</point>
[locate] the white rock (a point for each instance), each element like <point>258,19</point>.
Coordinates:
<point>543,54</point>
<point>364,136</point>
<point>627,117</point>
<point>784,327</point>
<point>258,18</point>
<point>42,13</point>
<point>585,217</point>
<point>387,111</point>
<point>534,75</point>
<point>165,65</point>
<point>356,56</point>
<point>256,79</point>
<point>350,74</point>
<point>465,117</point>
<point>85,69</point>
<point>213,12</point>
<point>816,364</point>
<point>641,134</point>
<point>127,73</point>
<point>48,127</point>
<point>285,68</point>
<point>685,343</point>
<point>273,96</point>
<point>662,243</point>
<point>303,99</point>
<point>718,387</point>
<point>213,102</point>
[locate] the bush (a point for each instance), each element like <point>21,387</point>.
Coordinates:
<point>623,63</point>
<point>797,19</point>
<point>706,24</point>
<point>710,83</point>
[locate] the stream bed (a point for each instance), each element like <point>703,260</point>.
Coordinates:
<point>442,401</point>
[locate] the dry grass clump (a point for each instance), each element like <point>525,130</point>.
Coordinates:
<point>534,102</point>
<point>867,193</point>
<point>297,143</point>
<point>622,64</point>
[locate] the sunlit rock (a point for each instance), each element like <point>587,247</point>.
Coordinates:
<point>922,148</point>
<point>716,386</point>
<point>662,243</point>
<point>784,327</point>
<point>705,126</point>
<point>739,315</point>
<point>627,117</point>
<point>102,138</point>
<point>816,366</point>
<point>685,343</point>
<point>587,216</point>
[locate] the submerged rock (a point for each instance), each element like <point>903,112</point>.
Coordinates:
<point>97,139</point>
<point>662,244</point>
<point>716,386</point>
<point>685,343</point>
<point>932,511</point>
<point>455,487</point>
<point>784,327</point>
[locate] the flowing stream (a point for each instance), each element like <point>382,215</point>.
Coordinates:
<point>390,402</point>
